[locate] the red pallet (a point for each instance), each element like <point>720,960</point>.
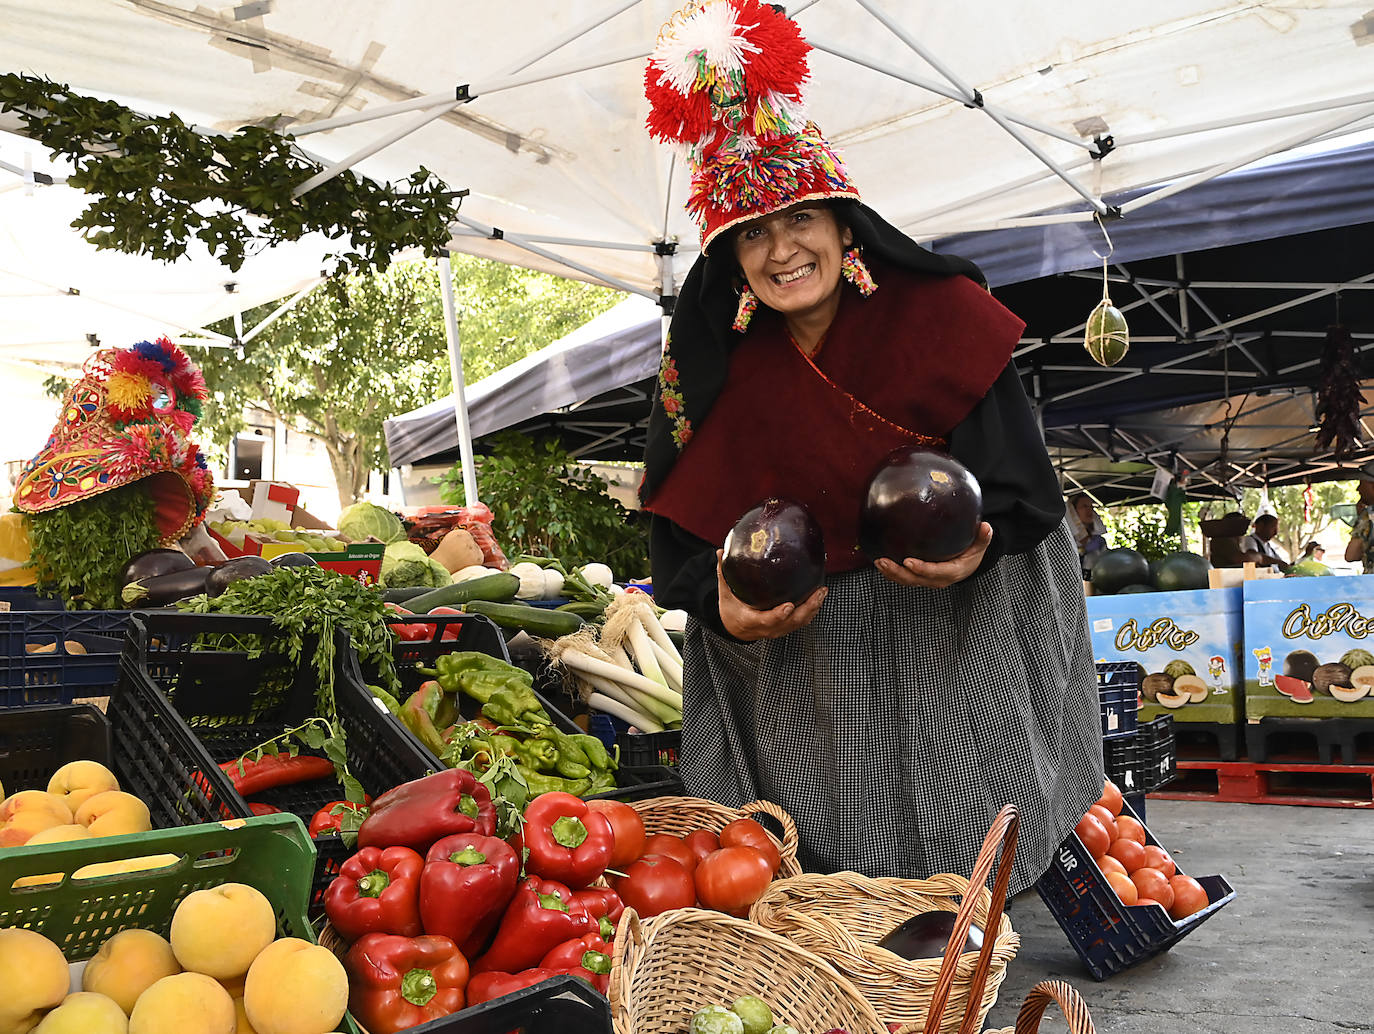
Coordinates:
<point>1244,782</point>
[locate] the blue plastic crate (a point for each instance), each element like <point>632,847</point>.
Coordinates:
<point>38,667</point>
<point>1122,761</point>
<point>1108,935</point>
<point>24,597</point>
<point>1118,687</point>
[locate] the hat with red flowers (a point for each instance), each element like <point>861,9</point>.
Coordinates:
<point>725,83</point>
<point>128,418</point>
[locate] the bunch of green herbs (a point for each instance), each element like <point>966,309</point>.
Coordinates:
<point>79,550</point>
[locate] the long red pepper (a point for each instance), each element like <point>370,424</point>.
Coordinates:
<point>272,770</point>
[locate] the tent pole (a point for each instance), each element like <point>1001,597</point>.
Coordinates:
<point>523,243</point>
<point>635,53</point>
<point>371,114</point>
<point>279,311</point>
<point>326,174</point>
<point>455,365</point>
<point>575,242</point>
<point>1245,120</point>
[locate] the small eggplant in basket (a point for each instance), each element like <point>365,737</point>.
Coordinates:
<point>235,570</point>
<point>925,936</point>
<point>164,590</point>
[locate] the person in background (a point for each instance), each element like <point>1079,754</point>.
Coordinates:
<point>1360,548</point>
<point>1089,533</point>
<point>1314,550</point>
<point>1260,546</point>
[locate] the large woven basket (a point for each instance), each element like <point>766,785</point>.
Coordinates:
<point>681,815</point>
<point>668,967</point>
<point>841,918</point>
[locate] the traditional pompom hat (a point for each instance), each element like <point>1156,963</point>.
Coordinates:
<point>725,82</point>
<point>128,418</point>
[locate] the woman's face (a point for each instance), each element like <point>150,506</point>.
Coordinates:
<point>792,259</point>
<point>1086,513</point>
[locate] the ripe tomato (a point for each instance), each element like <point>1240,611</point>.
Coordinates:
<point>1105,817</point>
<point>1151,883</point>
<point>656,884</point>
<point>1189,897</point>
<point>1158,858</point>
<point>748,833</point>
<point>1109,864</point>
<point>668,846</point>
<point>1094,836</point>
<point>628,828</point>
<point>1125,889</point>
<point>702,842</point>
<point>1111,798</point>
<point>732,879</point>
<point>1128,828</point>
<point>1128,853</point>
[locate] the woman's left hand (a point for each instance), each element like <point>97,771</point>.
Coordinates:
<point>938,575</point>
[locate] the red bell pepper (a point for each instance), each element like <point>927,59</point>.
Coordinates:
<point>537,920</point>
<point>602,904</point>
<point>376,891</point>
<point>258,808</point>
<point>328,821</point>
<point>483,987</point>
<point>590,953</point>
<point>421,631</point>
<point>452,630</point>
<point>399,982</point>
<point>467,882</point>
<point>418,813</point>
<point>273,770</point>
<point>567,841</point>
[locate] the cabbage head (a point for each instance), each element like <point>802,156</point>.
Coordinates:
<point>360,520</point>
<point>406,564</point>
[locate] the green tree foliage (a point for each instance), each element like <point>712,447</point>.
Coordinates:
<point>357,352</point>
<point>546,502</point>
<point>1299,523</point>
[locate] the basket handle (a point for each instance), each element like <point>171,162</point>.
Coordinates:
<point>1069,1001</point>
<point>1002,835</point>
<point>627,943</point>
<point>780,816</point>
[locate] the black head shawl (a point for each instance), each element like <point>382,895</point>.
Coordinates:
<point>700,338</point>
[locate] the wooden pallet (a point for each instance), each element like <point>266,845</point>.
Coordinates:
<point>1244,782</point>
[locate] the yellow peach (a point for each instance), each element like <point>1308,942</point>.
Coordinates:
<point>245,1026</point>
<point>52,835</point>
<point>181,1004</point>
<point>44,982</point>
<point>85,1013</point>
<point>28,812</point>
<point>114,813</point>
<point>127,964</point>
<point>295,987</point>
<point>78,781</point>
<point>221,930</point>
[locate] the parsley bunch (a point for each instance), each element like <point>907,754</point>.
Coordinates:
<point>79,550</point>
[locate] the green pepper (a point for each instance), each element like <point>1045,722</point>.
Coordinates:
<point>478,675</point>
<point>392,704</point>
<point>426,711</point>
<point>539,755</point>
<point>539,782</point>
<point>597,757</point>
<point>602,781</point>
<point>515,707</point>
<point>571,762</point>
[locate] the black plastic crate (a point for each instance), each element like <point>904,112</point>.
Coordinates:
<point>557,1006</point>
<point>190,696</point>
<point>1158,756</point>
<point>36,666</point>
<point>1121,759</point>
<point>649,749</point>
<point>473,632</point>
<point>1109,936</point>
<point>1118,687</point>
<point>36,741</point>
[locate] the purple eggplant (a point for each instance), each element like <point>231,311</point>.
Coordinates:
<point>165,589</point>
<point>774,554</point>
<point>153,563</point>
<point>926,935</point>
<point>920,503</point>
<point>231,571</point>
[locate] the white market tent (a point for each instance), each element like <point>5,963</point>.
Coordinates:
<point>953,118</point>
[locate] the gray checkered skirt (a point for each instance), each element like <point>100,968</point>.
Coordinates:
<point>895,726</point>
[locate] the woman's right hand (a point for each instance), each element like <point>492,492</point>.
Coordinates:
<point>748,624</point>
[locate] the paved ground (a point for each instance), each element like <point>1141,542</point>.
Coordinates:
<point>1291,954</point>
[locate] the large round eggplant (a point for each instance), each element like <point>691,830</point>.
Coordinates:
<point>774,554</point>
<point>155,562</point>
<point>920,503</point>
<point>926,935</point>
<point>293,560</point>
<point>165,589</point>
<point>235,570</point>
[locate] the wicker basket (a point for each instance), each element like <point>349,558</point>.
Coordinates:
<point>681,815</point>
<point>1038,1000</point>
<point>841,917</point>
<point>668,967</point>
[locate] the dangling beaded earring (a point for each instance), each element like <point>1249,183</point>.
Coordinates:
<point>853,269</point>
<point>748,302</point>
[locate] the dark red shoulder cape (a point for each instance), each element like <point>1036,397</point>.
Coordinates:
<point>902,366</point>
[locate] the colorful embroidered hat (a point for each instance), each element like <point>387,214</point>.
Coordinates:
<point>128,418</point>
<point>725,82</point>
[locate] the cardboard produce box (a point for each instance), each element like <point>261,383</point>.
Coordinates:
<point>1189,644</point>
<point>277,500</point>
<point>1308,648</point>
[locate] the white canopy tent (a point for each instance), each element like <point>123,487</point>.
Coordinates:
<point>952,117</point>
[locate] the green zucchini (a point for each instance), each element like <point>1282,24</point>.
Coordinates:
<point>537,621</point>
<point>497,587</point>
<point>405,594</point>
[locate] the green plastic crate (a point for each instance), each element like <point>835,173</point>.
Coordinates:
<point>272,853</point>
